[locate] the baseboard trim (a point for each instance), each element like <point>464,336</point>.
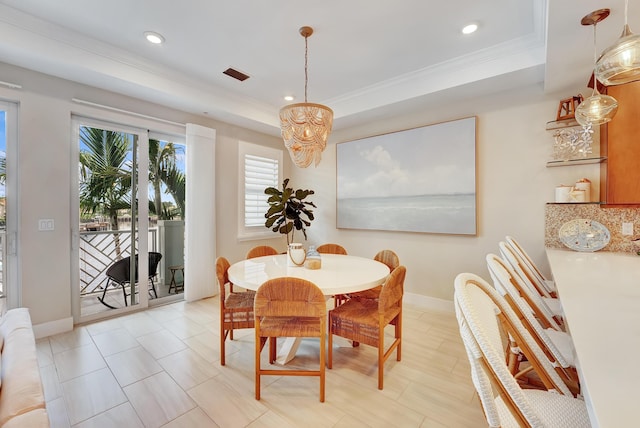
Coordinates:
<point>427,302</point>
<point>53,327</point>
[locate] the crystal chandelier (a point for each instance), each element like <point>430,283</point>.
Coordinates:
<point>597,109</point>
<point>305,126</point>
<point>620,63</point>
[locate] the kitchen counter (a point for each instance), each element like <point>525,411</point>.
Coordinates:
<point>600,295</point>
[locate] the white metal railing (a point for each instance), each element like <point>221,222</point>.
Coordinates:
<point>99,249</point>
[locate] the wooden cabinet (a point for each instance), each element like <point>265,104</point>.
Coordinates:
<point>620,145</point>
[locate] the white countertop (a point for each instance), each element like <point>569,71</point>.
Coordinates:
<point>600,295</point>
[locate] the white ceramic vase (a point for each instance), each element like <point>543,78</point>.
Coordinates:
<point>296,255</point>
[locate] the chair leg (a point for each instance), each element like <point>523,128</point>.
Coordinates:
<point>381,357</point>
<point>272,350</point>
<point>398,335</point>
<point>124,293</point>
<point>330,344</point>
<point>322,365</point>
<point>223,337</point>
<point>153,287</point>
<point>259,343</point>
<point>104,293</point>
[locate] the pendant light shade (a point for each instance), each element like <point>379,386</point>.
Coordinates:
<point>305,127</point>
<point>620,63</point>
<point>597,109</point>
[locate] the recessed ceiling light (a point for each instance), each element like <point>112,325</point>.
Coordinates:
<point>288,98</point>
<point>471,28</point>
<point>153,37</point>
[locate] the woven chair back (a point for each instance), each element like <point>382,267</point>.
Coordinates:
<point>154,261</point>
<point>389,258</point>
<point>332,249</point>
<point>392,291</point>
<point>261,250</point>
<point>120,271</point>
<point>222,272</point>
<point>289,297</point>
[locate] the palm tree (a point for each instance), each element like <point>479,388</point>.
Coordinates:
<point>174,179</point>
<point>105,175</point>
<point>3,169</point>
<point>163,170</point>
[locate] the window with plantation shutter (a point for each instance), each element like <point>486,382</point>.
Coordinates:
<point>259,169</point>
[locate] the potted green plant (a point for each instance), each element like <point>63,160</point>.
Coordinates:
<point>288,210</point>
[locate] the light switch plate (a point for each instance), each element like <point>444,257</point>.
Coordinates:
<point>46,224</point>
<point>627,229</point>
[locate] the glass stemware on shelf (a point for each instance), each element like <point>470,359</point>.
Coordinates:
<point>598,108</point>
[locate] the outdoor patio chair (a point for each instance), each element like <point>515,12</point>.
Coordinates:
<point>119,275</point>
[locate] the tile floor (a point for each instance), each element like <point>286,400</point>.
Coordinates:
<point>160,368</point>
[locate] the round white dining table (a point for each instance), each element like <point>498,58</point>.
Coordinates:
<point>339,274</point>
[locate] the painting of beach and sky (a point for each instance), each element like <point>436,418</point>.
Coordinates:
<point>418,180</point>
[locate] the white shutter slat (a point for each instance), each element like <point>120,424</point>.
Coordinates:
<point>259,173</point>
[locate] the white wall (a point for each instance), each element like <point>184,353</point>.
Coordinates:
<point>44,165</point>
<point>513,185</point>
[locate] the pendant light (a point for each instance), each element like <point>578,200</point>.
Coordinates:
<point>620,63</point>
<point>305,127</point>
<point>598,108</point>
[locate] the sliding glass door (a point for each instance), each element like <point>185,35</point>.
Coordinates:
<point>129,204</point>
<point>116,269</point>
<point>10,296</point>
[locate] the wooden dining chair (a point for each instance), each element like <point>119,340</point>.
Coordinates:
<point>481,313</point>
<point>338,299</point>
<point>261,250</point>
<point>531,270</point>
<point>557,345</point>
<point>289,307</point>
<point>364,321</point>
<point>387,257</point>
<point>332,249</point>
<point>236,308</point>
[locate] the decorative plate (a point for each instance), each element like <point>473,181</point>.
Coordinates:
<point>583,234</point>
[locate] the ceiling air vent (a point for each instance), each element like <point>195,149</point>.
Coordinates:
<point>236,74</point>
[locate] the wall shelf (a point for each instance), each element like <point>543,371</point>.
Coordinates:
<point>575,203</point>
<point>561,124</point>
<point>580,161</point>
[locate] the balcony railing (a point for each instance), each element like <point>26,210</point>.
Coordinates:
<point>99,249</point>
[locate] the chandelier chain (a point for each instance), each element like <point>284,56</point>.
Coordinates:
<point>306,58</point>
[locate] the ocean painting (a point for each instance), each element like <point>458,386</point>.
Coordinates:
<point>418,180</point>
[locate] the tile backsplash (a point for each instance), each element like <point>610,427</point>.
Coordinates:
<point>612,218</point>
